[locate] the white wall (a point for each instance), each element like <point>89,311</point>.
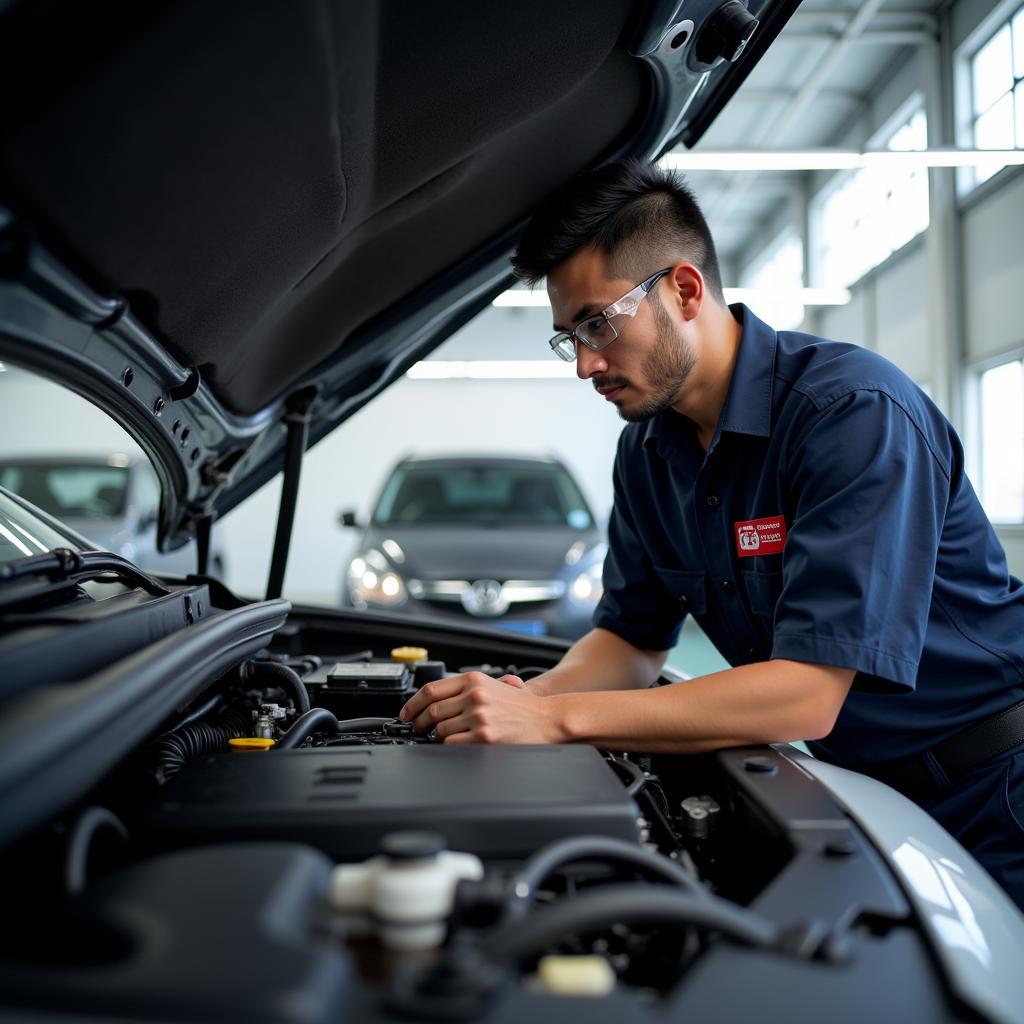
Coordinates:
<point>993,235</point>
<point>847,323</point>
<point>901,317</point>
<point>38,417</point>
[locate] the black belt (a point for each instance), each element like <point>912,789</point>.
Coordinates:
<point>956,756</point>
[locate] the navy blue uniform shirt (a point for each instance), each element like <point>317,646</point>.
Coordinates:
<point>830,521</point>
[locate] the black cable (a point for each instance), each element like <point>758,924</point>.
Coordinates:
<point>637,905</point>
<point>349,725</point>
<point>545,861</point>
<point>203,709</point>
<point>282,674</point>
<point>637,779</point>
<point>316,720</point>
<point>87,824</point>
<point>345,659</point>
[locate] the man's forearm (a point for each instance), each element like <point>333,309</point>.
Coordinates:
<point>601,660</point>
<point>770,702</point>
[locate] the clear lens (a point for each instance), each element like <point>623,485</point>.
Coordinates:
<point>596,332</point>
<point>564,347</point>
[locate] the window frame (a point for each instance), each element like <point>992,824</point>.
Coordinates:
<point>1002,16</point>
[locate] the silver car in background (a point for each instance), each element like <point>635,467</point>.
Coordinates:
<point>114,500</point>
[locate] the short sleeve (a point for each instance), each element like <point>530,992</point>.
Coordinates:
<point>869,493</point>
<point>635,604</point>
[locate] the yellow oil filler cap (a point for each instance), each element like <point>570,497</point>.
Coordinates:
<point>240,744</point>
<point>575,975</point>
<point>409,655</point>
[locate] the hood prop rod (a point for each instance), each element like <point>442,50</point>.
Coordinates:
<point>297,418</point>
<point>204,527</point>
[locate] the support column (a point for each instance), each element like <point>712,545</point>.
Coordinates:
<point>943,277</point>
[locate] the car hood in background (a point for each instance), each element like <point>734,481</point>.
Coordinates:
<point>217,216</point>
<point>472,553</point>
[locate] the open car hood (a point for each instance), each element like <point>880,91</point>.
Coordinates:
<point>214,218</point>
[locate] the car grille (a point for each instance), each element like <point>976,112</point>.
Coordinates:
<point>511,592</point>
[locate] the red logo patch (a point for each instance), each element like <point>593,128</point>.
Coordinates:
<point>760,537</point>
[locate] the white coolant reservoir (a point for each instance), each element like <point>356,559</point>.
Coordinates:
<point>408,891</point>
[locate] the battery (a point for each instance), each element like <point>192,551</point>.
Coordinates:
<point>355,689</point>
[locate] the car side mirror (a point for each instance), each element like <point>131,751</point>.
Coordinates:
<point>347,518</point>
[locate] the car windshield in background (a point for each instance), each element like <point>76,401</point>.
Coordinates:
<point>69,491</point>
<point>483,494</point>
<point>23,535</point>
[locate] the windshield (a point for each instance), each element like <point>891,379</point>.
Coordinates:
<point>23,534</point>
<point>484,493</point>
<point>69,490</point>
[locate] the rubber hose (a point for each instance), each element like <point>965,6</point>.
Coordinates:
<point>635,904</point>
<point>540,866</point>
<point>290,679</point>
<point>316,720</point>
<point>84,830</point>
<point>190,740</point>
<point>203,709</point>
<point>348,725</point>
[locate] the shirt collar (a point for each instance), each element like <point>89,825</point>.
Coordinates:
<point>748,405</point>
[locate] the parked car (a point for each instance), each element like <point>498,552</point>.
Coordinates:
<point>113,500</point>
<point>510,541</point>
<point>229,226</point>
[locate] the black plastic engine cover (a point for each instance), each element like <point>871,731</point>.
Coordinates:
<point>497,802</point>
<point>206,936</point>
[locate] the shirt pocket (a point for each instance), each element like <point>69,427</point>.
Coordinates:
<point>687,588</point>
<point>763,591</point>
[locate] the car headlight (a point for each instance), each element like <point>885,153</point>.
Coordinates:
<point>586,588</point>
<point>371,580</point>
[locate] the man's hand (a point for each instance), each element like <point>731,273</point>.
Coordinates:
<point>474,708</point>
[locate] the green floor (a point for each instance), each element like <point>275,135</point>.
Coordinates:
<point>694,654</point>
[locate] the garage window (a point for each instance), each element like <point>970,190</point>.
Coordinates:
<point>862,217</point>
<point>1001,429</point>
<point>997,92</point>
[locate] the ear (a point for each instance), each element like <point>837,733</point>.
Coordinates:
<point>688,288</point>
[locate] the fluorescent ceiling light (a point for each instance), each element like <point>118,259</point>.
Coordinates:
<point>838,159</point>
<point>804,296</point>
<point>492,369</point>
<point>751,296</point>
<point>522,297</point>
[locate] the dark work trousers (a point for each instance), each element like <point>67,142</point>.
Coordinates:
<point>984,810</point>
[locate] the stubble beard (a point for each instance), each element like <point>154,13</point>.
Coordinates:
<point>665,370</point>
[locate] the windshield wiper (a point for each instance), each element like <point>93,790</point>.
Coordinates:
<point>38,575</point>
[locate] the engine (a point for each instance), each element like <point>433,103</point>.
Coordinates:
<point>285,849</point>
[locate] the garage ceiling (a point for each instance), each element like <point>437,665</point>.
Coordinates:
<point>815,81</point>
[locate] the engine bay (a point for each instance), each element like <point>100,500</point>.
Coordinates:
<point>281,847</point>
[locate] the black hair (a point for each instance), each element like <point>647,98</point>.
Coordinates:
<point>642,216</point>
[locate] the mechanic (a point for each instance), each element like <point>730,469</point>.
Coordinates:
<point>804,500</point>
